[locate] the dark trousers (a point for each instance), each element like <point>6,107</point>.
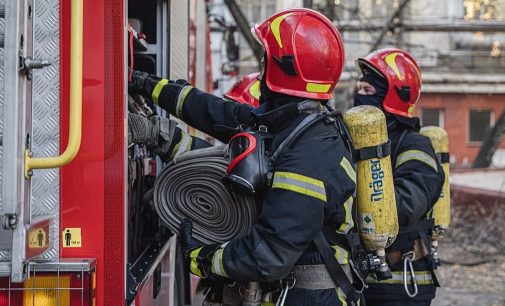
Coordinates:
<point>397,303</point>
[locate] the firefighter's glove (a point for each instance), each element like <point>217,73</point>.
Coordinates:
<point>142,83</point>
<point>154,132</point>
<point>198,255</point>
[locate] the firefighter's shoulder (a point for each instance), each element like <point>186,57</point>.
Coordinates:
<point>416,148</point>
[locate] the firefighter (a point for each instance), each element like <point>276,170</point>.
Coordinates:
<point>391,81</point>
<point>313,181</point>
<point>246,90</point>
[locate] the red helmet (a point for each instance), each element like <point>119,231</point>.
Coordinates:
<point>403,76</point>
<point>304,53</point>
<point>246,90</point>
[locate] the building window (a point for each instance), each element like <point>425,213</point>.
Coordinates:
<point>432,117</point>
<point>481,9</point>
<point>480,122</point>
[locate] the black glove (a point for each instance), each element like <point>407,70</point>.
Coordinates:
<point>188,242</point>
<point>142,83</point>
<point>198,256</point>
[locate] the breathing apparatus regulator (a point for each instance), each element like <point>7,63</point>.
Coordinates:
<point>250,169</point>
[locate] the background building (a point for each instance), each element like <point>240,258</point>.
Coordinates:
<point>459,45</point>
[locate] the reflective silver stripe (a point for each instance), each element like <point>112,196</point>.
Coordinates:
<point>418,156</point>
<point>348,223</point>
<point>181,98</point>
<point>217,263</point>
<point>299,183</point>
<point>341,255</point>
<point>341,297</point>
<point>183,145</point>
<point>349,169</point>
<point>422,278</point>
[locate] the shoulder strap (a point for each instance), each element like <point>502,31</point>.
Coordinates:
<point>336,272</point>
<point>299,129</point>
<point>342,130</point>
<point>400,140</point>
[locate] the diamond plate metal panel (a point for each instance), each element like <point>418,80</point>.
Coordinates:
<point>45,117</point>
<point>5,254</point>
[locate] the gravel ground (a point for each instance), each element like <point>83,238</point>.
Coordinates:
<point>468,279</point>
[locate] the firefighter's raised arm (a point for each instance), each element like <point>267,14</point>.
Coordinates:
<point>205,112</point>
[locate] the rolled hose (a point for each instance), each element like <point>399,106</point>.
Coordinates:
<point>190,187</point>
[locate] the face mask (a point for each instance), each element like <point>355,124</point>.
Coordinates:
<point>373,100</point>
<point>380,85</point>
<point>248,168</point>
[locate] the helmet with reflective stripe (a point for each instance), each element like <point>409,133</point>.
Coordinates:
<point>403,76</point>
<point>304,53</point>
<point>246,90</point>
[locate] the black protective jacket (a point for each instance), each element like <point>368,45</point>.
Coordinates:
<point>418,179</point>
<point>313,183</point>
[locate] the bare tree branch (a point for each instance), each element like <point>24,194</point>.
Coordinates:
<point>390,24</point>
<point>245,29</point>
<point>490,143</point>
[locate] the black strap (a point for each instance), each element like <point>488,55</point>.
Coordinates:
<point>379,151</point>
<point>443,157</point>
<point>435,278</point>
<point>300,128</point>
<point>425,224</point>
<point>336,272</point>
<point>347,241</point>
<point>399,143</point>
<point>344,132</point>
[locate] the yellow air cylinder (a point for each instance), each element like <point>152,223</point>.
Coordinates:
<point>442,208</point>
<point>377,215</point>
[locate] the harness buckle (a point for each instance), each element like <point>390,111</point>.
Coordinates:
<point>263,128</point>
<point>287,284</point>
<point>380,153</point>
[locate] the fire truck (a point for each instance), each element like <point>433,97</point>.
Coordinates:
<point>77,222</point>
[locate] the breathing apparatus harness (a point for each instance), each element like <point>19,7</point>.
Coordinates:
<point>250,171</point>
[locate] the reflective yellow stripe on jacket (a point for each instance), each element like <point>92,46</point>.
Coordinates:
<point>422,278</point>
<point>217,263</point>
<point>348,168</point>
<point>416,155</point>
<point>348,223</point>
<point>341,255</point>
<point>181,97</point>
<point>157,90</point>
<point>184,145</point>
<point>193,266</point>
<point>299,183</point>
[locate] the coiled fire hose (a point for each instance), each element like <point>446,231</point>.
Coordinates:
<point>190,187</point>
